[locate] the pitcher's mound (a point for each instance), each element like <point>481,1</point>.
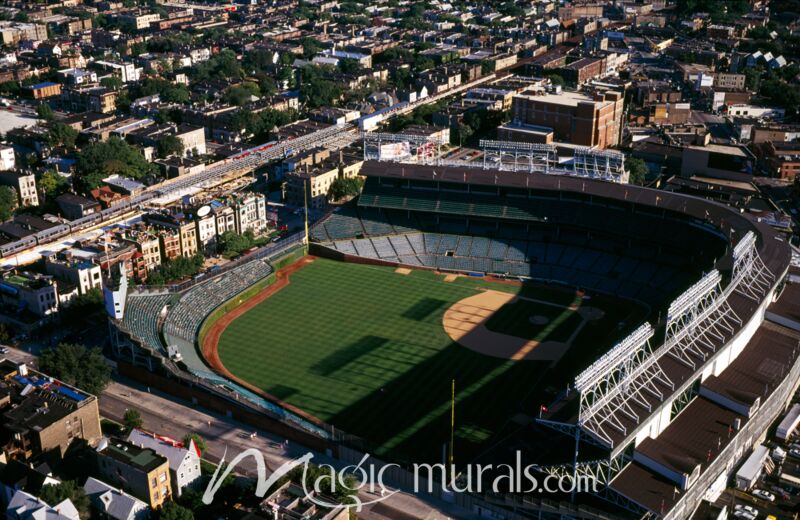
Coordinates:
<point>465,323</point>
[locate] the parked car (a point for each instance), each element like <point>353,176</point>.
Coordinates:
<point>744,515</point>
<point>750,509</point>
<point>765,495</point>
<point>3,349</point>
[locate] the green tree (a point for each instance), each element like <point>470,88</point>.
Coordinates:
<point>177,269</point>
<point>114,156</point>
<point>232,243</point>
<point>198,441</point>
<point>111,83</point>
<point>83,307</point>
<point>349,65</point>
<point>132,419</point>
<point>341,188</point>
<point>60,134</point>
<point>465,131</point>
<point>173,511</point>
<point>52,184</point>
<point>556,79</point>
<point>54,494</point>
<point>242,94</point>
<point>8,202</point>
<point>637,170</point>
<point>45,112</point>
<point>5,333</point>
<point>77,365</point>
<point>170,145</point>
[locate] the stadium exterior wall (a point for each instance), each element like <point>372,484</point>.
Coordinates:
<point>751,433</point>
<point>201,396</point>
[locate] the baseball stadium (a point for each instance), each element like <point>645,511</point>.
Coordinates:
<point>642,337</point>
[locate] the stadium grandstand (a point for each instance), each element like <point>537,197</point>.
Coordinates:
<point>663,417</point>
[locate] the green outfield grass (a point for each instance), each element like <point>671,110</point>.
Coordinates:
<point>363,348</point>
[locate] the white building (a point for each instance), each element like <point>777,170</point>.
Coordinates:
<point>126,71</point>
<point>114,503</point>
<point>7,158</point>
<point>184,462</point>
<point>84,274</point>
<point>250,213</point>
<point>24,184</point>
<point>36,293</point>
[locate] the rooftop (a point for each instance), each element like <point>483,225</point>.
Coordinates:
<point>145,459</point>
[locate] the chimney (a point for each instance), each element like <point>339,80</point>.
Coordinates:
<point>737,424</point>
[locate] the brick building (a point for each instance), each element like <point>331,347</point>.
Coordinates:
<point>575,118</point>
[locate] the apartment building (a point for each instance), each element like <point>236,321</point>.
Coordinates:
<point>180,236</point>
<point>137,470</point>
<point>147,244</point>
<point>575,118</point>
<point>24,185</point>
<point>40,415</point>
<point>184,461</point>
<point>32,292</point>
<point>81,273</point>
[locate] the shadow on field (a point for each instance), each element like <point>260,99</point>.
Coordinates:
<point>282,392</point>
<point>425,308</point>
<point>341,357</point>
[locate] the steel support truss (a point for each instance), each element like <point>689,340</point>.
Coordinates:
<point>751,278</point>
<point>600,164</point>
<point>699,320</point>
<point>617,382</point>
<point>528,157</point>
<point>601,471</point>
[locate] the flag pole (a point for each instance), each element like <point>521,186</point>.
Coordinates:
<point>305,208</point>
<point>452,425</point>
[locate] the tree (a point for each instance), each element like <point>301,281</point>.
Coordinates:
<point>198,441</point>
<point>83,307</point>
<point>60,134</point>
<point>54,494</point>
<point>465,131</point>
<point>111,83</point>
<point>232,243</point>
<point>5,334</point>
<point>45,112</point>
<point>349,65</point>
<point>114,156</point>
<point>132,419</point>
<point>341,188</point>
<point>637,170</point>
<point>77,365</point>
<point>8,202</point>
<point>173,511</point>
<point>52,184</point>
<point>242,94</point>
<point>556,79</point>
<point>170,145</point>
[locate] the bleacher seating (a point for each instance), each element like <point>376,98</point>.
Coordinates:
<point>141,316</point>
<point>565,238</point>
<point>186,316</point>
